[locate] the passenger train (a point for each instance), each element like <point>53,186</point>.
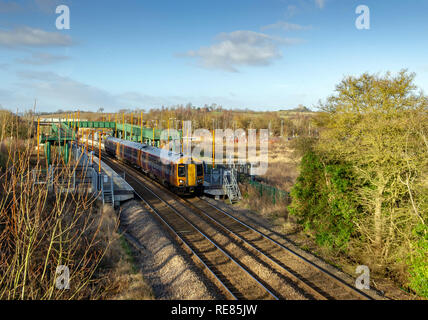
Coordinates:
<point>181,174</point>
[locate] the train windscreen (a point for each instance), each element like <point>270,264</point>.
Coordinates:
<point>181,170</point>
<point>199,170</point>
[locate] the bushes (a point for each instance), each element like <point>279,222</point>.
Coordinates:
<point>322,201</point>
<point>418,266</point>
<point>363,184</point>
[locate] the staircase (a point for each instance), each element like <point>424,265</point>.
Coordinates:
<point>107,189</point>
<point>230,186</point>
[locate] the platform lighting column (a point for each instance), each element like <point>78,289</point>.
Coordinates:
<point>168,133</point>
<point>77,126</point>
<point>92,146</point>
<point>115,125</point>
<point>213,148</point>
<point>182,135</point>
<point>83,145</point>
<point>187,138</point>
<point>141,126</point>
<point>87,138</point>
<point>123,126</point>
<point>153,140</point>
<point>38,140</point>
<point>132,124</point>
<point>99,152</point>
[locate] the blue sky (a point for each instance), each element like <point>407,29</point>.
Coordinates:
<point>258,54</point>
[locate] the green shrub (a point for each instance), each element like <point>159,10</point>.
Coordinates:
<point>418,265</point>
<point>322,202</point>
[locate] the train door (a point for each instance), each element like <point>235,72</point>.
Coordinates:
<point>139,160</point>
<point>117,150</point>
<point>191,174</point>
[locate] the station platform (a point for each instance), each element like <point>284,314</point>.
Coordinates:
<point>122,191</point>
<point>113,187</point>
<point>214,190</point>
<point>213,183</point>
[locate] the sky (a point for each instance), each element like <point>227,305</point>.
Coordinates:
<point>256,54</point>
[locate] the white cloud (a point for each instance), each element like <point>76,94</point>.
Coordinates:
<point>39,59</point>
<point>241,48</point>
<point>9,6</point>
<point>44,6</point>
<point>286,26</point>
<point>48,6</point>
<point>66,92</point>
<point>29,37</point>
<point>320,3</point>
<point>54,91</point>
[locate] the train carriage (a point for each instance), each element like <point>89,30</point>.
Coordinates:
<point>184,175</point>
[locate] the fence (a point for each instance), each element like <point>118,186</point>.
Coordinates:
<point>264,189</point>
<point>82,174</point>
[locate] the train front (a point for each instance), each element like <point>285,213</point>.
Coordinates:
<point>190,176</point>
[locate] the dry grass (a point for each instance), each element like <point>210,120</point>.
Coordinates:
<point>125,281</point>
<point>42,228</point>
<point>283,165</point>
<point>282,173</point>
<point>264,205</point>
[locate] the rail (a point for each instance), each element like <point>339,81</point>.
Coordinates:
<point>196,229</point>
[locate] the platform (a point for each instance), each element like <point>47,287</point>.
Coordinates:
<point>114,189</point>
<point>122,191</point>
<point>213,182</point>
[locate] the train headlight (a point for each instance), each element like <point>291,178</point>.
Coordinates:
<point>199,180</point>
<point>181,181</point>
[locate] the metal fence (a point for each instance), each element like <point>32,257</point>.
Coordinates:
<point>82,174</point>
<point>266,190</point>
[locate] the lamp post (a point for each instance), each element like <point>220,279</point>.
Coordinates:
<point>99,151</point>
<point>92,146</point>
<point>38,140</point>
<point>141,128</point>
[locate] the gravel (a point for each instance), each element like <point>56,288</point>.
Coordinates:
<point>266,227</point>
<point>163,263</point>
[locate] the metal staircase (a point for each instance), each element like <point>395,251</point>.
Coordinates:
<point>107,189</point>
<point>230,186</point>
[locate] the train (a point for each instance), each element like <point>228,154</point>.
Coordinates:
<point>181,174</point>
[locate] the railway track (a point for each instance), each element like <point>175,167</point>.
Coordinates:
<point>323,283</point>
<point>232,278</point>
<point>243,262</point>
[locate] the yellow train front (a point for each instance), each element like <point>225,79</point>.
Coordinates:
<point>183,175</point>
